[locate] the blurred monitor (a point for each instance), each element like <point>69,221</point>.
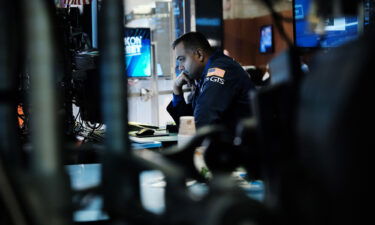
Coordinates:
<point>266,39</point>
<point>138,52</point>
<point>337,31</point>
<point>368,14</point>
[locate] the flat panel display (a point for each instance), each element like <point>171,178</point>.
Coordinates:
<point>266,39</point>
<point>138,52</point>
<point>337,31</point>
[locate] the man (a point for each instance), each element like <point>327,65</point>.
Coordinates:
<point>220,87</point>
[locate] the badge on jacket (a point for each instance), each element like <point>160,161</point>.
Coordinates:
<point>215,75</point>
<point>216,72</point>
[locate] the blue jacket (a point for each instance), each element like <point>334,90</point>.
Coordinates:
<point>221,95</point>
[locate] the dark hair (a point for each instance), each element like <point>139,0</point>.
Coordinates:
<point>193,40</point>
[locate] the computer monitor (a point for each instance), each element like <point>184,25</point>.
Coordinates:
<point>266,39</point>
<point>337,31</point>
<point>138,52</point>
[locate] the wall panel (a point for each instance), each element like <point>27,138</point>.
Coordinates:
<point>241,38</point>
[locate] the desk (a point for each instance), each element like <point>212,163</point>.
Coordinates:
<point>168,138</point>
<point>90,152</point>
<point>161,138</point>
<point>165,140</point>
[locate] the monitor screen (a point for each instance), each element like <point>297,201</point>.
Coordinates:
<point>138,52</point>
<point>337,31</point>
<point>266,39</point>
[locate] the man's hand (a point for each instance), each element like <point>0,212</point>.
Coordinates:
<point>179,82</point>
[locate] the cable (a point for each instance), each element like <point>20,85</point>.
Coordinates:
<point>277,17</point>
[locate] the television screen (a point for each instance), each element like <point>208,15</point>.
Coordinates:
<point>337,31</point>
<point>266,39</point>
<point>138,52</point>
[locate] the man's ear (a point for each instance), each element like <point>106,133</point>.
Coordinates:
<point>200,54</point>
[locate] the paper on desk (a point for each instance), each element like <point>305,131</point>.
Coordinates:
<point>140,140</point>
<point>151,139</point>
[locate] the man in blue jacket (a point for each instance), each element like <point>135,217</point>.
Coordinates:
<point>220,87</point>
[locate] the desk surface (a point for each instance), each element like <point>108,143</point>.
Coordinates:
<point>90,152</point>
<point>168,138</point>
<point>161,139</point>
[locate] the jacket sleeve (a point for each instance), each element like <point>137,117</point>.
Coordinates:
<point>181,109</point>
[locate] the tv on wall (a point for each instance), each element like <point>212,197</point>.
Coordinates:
<point>138,52</point>
<point>266,39</point>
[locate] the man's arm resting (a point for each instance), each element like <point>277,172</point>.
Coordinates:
<point>177,99</point>
<point>178,107</point>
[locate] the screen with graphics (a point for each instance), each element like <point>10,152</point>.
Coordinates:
<point>266,39</point>
<point>337,31</point>
<point>138,52</point>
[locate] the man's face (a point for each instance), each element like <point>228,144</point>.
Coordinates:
<point>189,61</point>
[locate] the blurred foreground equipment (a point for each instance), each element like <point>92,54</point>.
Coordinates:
<point>309,139</point>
